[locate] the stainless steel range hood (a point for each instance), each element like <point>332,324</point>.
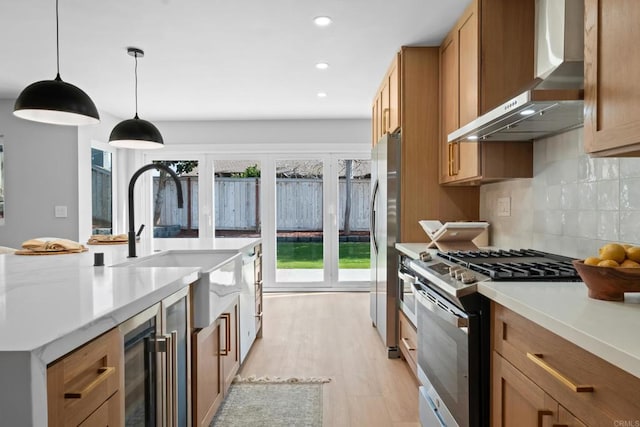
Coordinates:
<point>555,103</point>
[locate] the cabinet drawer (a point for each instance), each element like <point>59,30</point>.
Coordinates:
<point>80,382</point>
<point>110,413</point>
<point>594,390</point>
<point>408,343</point>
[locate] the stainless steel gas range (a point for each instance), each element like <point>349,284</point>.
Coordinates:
<point>452,319</point>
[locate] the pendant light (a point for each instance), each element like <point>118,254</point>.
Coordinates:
<point>55,101</point>
<point>136,132</point>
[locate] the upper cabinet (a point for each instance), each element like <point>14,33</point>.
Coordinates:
<point>478,71</point>
<point>386,104</point>
<point>612,87</point>
<point>407,102</point>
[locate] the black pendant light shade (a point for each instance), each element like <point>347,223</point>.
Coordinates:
<point>55,101</point>
<point>136,133</point>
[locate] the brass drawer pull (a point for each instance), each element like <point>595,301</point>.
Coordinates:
<point>537,359</point>
<point>408,344</point>
<point>103,374</point>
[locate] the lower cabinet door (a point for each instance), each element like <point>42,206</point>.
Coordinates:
<point>207,384</point>
<point>110,414</point>
<point>229,342</point>
<point>518,401</point>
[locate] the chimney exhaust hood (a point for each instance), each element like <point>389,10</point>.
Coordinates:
<point>555,103</point>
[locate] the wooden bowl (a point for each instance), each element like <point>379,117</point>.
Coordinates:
<point>608,283</point>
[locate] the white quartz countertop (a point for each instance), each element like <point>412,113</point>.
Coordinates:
<point>412,249</point>
<point>51,304</point>
<point>605,328</point>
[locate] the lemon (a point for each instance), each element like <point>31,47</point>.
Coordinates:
<point>627,263</point>
<point>613,252</point>
<point>592,260</point>
<point>633,253</point>
<point>608,263</point>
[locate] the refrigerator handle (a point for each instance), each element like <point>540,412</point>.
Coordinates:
<point>372,215</point>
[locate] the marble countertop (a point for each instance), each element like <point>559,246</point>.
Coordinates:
<point>605,328</point>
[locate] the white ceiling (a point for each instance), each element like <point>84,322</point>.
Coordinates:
<point>215,60</point>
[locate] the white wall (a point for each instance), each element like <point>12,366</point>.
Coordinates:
<point>574,203</point>
<point>40,173</point>
<point>297,135</point>
<point>45,164</point>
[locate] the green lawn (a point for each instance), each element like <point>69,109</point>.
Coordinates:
<point>309,255</point>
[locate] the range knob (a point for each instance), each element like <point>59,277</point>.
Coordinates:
<point>453,270</point>
<point>425,256</point>
<point>467,278</point>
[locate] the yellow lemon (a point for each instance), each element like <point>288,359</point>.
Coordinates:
<point>613,251</point>
<point>592,260</point>
<point>608,263</point>
<point>627,263</point>
<point>633,253</point>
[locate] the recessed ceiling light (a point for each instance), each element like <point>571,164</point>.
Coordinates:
<point>322,65</point>
<point>322,94</point>
<point>527,112</point>
<point>322,21</point>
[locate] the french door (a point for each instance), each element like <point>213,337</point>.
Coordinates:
<point>311,210</point>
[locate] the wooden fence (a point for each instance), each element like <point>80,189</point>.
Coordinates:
<point>237,201</point>
<point>101,204</point>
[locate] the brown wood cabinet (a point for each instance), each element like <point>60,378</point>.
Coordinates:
<point>83,386</point>
<point>478,71</point>
<point>539,378</point>
<point>408,343</point>
<point>422,197</point>
<point>612,88</point>
<point>215,361</point>
<point>229,341</point>
<point>386,103</point>
<point>207,384</point>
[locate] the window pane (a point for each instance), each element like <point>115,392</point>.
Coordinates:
<point>354,179</point>
<point>299,221</point>
<point>101,192</point>
<point>237,198</point>
<point>168,220</point>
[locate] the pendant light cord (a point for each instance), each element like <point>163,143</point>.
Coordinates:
<point>57,44</point>
<point>135,72</point>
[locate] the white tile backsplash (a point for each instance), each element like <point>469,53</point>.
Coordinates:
<point>630,194</point>
<point>607,168</point>
<point>573,205</point>
<point>587,195</point>
<point>608,195</point>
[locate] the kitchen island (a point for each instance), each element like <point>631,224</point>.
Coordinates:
<point>50,305</point>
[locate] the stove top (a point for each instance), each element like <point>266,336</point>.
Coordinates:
<point>521,264</point>
<point>457,273</point>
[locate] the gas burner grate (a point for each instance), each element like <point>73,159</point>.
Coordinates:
<point>521,264</point>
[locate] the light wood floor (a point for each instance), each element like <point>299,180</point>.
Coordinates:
<point>330,334</point>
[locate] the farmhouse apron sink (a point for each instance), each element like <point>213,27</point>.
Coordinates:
<point>220,275</point>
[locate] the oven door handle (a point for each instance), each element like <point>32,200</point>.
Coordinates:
<point>432,306</point>
<point>407,277</point>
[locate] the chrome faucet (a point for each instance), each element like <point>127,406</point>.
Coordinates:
<point>159,166</point>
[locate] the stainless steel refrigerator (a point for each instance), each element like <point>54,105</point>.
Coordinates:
<point>385,232</point>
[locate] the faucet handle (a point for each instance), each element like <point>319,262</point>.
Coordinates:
<point>139,231</point>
